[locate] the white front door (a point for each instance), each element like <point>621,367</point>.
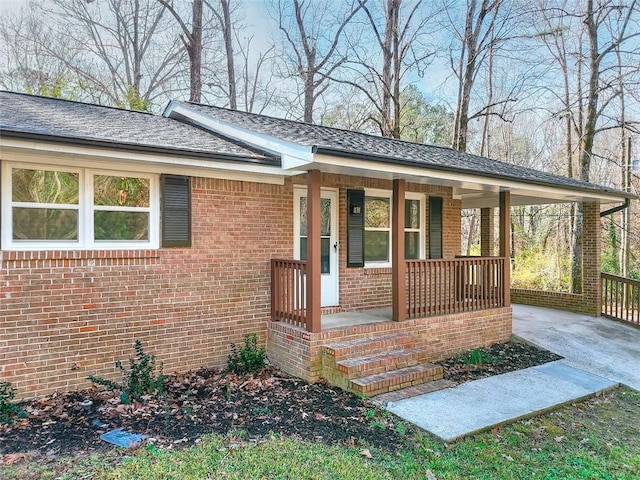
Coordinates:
<point>328,239</point>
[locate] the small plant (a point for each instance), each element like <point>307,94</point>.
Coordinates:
<point>476,356</point>
<point>248,359</point>
<point>8,409</point>
<point>141,378</point>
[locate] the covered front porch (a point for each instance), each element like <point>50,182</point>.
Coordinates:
<point>420,288</point>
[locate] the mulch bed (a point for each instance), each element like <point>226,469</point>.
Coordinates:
<point>499,358</point>
<point>209,401</point>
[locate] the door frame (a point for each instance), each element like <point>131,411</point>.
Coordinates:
<point>334,253</point>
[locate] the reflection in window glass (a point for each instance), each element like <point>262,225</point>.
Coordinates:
<point>325,216</point>
<point>377,212</point>
<point>412,214</point>
<point>44,186</point>
<point>376,246</point>
<point>120,191</point>
<point>412,245</point>
<point>44,224</point>
<point>115,225</point>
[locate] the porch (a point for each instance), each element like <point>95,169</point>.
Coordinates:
<point>433,288</point>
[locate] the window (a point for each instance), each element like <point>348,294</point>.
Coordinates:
<point>377,227</point>
<point>413,226</point>
<point>45,207</point>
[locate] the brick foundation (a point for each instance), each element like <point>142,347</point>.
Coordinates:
<point>299,353</point>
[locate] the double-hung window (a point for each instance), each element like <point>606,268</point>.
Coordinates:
<point>47,207</point>
<point>414,238</point>
<point>377,227</point>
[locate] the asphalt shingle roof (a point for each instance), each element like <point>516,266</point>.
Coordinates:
<point>113,127</point>
<point>349,143</point>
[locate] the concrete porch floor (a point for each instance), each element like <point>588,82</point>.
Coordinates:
<point>351,319</point>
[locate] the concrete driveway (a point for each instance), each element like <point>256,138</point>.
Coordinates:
<point>600,346</point>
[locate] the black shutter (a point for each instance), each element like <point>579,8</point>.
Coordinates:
<point>435,227</point>
<point>176,211</point>
<point>355,228</point>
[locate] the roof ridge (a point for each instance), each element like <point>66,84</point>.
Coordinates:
<point>77,102</point>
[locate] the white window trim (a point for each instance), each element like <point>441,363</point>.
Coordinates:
<point>421,198</point>
<point>374,192</point>
<point>85,211</point>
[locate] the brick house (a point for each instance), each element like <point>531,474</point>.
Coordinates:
<point>192,229</point>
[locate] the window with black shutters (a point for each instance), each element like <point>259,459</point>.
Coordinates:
<point>176,211</point>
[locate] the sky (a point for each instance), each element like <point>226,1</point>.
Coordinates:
<point>433,85</point>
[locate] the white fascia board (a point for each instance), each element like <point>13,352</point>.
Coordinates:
<point>466,181</point>
<point>292,154</point>
<point>53,153</point>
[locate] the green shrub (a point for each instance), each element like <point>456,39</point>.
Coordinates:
<point>141,378</point>
<point>248,359</point>
<point>8,409</point>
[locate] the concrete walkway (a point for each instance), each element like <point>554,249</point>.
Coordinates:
<point>600,346</point>
<point>475,406</point>
<point>599,354</point>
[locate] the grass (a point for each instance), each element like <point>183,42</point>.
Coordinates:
<point>595,439</point>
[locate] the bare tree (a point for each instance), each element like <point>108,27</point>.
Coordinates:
<point>122,55</point>
<point>192,40</point>
<point>402,33</point>
<point>255,88</point>
<point>610,20</point>
<point>488,24</point>
<point>25,64</point>
<point>312,31</point>
<point>227,26</point>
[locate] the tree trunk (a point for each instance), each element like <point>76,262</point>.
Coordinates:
<point>195,53</point>
<point>228,46</point>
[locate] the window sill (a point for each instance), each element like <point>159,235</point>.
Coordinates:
<point>384,269</point>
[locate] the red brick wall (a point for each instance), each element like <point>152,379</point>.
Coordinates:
<point>300,353</point>
<point>66,315</point>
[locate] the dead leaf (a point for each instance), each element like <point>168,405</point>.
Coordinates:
<point>559,439</point>
<point>11,458</point>
<point>366,453</point>
<point>429,475</point>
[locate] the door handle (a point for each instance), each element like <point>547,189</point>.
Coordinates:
<point>335,246</point>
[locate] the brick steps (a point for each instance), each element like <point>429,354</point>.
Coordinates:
<point>393,380</point>
<point>381,362</point>
<point>413,391</point>
<point>372,366</point>
<point>363,346</point>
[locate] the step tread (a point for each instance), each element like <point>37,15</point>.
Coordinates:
<point>413,391</point>
<point>350,345</point>
<point>401,373</point>
<point>399,353</point>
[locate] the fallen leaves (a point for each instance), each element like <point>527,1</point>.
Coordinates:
<point>366,453</point>
<point>196,403</point>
